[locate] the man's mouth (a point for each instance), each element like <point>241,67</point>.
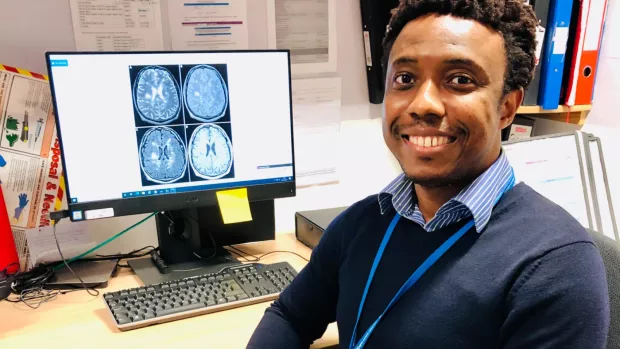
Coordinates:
<point>429,141</point>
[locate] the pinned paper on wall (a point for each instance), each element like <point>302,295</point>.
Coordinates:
<point>234,205</point>
<point>122,25</point>
<point>316,108</point>
<point>208,25</point>
<point>308,29</point>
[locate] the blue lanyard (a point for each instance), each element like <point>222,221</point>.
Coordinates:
<point>413,278</point>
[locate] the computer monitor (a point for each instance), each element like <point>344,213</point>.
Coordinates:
<point>144,132</point>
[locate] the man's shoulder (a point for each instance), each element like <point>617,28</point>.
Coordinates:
<point>535,225</point>
<point>363,209</point>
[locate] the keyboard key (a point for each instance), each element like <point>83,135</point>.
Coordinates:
<point>180,309</point>
<point>123,320</point>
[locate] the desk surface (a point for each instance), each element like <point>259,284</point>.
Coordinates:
<point>78,320</point>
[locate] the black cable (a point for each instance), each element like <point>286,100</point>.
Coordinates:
<point>272,252</point>
<point>35,297</point>
<point>134,253</point>
<point>34,278</point>
<point>210,237</point>
<point>209,234</point>
<point>258,258</point>
<point>214,244</point>
<point>5,271</point>
<point>67,264</point>
<point>242,256</point>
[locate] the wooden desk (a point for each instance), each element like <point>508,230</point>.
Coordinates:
<point>78,320</point>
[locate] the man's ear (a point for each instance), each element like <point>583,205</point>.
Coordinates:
<point>510,104</point>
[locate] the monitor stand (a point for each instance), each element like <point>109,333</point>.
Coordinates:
<point>191,241</point>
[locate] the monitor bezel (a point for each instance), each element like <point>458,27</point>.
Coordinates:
<point>172,201</point>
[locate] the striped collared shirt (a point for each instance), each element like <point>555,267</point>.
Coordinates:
<point>476,199</point>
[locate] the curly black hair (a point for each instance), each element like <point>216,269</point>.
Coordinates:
<point>513,19</point>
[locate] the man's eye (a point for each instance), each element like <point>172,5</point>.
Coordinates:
<point>461,80</point>
<point>404,79</point>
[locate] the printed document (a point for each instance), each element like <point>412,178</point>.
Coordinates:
<point>73,239</point>
<point>121,25</point>
<point>208,24</point>
<point>308,29</point>
<point>316,111</point>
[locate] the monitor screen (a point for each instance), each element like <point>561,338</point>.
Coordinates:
<point>135,125</point>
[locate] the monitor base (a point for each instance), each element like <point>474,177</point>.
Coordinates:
<point>149,273</point>
<point>191,241</point>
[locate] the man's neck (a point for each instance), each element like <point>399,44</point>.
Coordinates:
<point>431,199</point>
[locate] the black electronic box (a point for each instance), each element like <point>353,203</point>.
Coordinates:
<point>310,225</point>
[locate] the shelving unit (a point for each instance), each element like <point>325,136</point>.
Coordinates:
<point>575,115</point>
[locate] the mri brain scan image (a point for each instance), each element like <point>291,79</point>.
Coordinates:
<point>205,93</point>
<point>162,155</point>
<point>157,95</point>
<point>211,153</point>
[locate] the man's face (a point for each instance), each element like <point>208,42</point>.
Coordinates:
<point>444,108</point>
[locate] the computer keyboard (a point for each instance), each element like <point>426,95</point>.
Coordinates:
<point>229,288</point>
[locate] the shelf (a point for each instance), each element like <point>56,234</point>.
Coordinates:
<point>536,109</point>
<point>573,115</point>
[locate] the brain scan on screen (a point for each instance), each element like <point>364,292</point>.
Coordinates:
<point>205,93</point>
<point>211,153</point>
<point>157,95</point>
<point>162,155</point>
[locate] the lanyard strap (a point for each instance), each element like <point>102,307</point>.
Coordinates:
<point>414,277</point>
<point>410,282</point>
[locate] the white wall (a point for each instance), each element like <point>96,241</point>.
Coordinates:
<point>606,104</point>
<point>604,119</point>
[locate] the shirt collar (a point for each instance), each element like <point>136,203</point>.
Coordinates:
<point>476,199</point>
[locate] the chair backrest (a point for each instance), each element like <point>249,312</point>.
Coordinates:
<point>610,251</point>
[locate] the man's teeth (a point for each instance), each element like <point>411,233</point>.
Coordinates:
<point>428,142</point>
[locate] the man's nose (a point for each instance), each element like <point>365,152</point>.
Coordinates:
<point>426,104</point>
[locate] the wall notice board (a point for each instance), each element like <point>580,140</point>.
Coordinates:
<point>29,28</point>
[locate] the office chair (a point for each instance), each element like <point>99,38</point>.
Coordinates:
<point>610,251</point>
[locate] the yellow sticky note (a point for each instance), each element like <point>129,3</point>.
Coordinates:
<point>234,205</point>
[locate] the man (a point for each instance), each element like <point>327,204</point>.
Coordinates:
<point>481,262</point>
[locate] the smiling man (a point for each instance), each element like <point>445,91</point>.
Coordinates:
<point>453,253</point>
